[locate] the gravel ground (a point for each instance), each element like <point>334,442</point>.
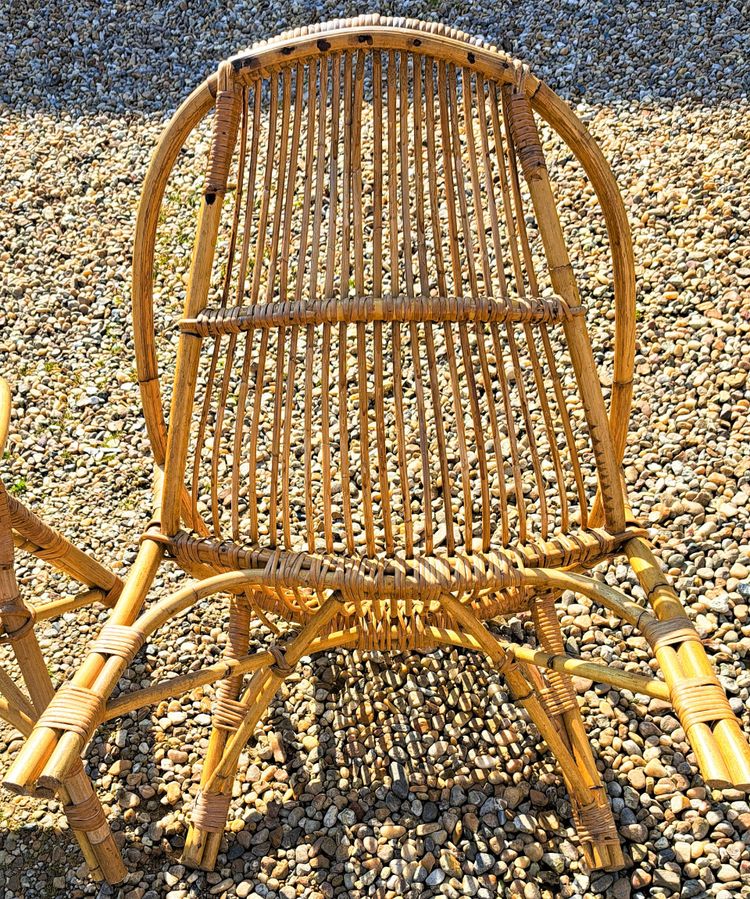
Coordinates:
<point>371,777</point>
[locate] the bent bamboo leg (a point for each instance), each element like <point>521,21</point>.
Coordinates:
<point>80,803</point>
<point>594,822</point>
<point>212,805</point>
<point>560,700</point>
<point>710,725</point>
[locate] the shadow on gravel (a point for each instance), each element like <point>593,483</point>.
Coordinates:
<point>458,814</point>
<point>145,57</point>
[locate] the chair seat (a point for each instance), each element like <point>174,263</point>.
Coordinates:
<point>420,578</point>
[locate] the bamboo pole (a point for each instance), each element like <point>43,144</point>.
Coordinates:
<point>602,674</point>
<point>39,538</point>
<point>5,407</point>
<point>721,748</point>
<point>46,761</point>
<point>184,683</point>
<point>17,718</point>
<point>15,695</point>
<point>714,763</point>
<point>560,697</point>
<point>69,604</point>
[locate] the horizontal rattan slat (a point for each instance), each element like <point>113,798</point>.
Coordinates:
<point>215,321</point>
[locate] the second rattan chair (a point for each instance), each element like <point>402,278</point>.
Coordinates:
<point>386,424</point>
<point>21,529</point>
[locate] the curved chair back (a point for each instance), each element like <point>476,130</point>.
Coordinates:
<point>383,345</point>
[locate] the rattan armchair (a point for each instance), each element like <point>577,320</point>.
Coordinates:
<point>386,425</point>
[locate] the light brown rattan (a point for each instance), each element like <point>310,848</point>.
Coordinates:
<point>385,398</point>
<point>20,528</point>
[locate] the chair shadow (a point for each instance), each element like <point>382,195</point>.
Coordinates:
<point>262,832</point>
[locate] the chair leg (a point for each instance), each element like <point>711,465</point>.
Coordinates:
<point>220,768</point>
<point>699,700</point>
<point>591,812</point>
<point>560,701</point>
<point>228,714</point>
<point>219,771</point>
<point>80,803</point>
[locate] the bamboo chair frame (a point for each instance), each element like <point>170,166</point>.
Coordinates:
<point>395,591</point>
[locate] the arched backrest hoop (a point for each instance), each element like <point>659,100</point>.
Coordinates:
<point>442,43</point>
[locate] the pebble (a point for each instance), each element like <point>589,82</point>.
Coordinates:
<point>667,879</point>
<point>727,873</point>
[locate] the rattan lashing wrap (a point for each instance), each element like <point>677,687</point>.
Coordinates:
<point>212,322</point>
<point>228,711</point>
<point>87,816</point>
<point>670,632</point>
<point>226,123</point>
<point>75,709</point>
<point>526,136</point>
<point>558,696</point>
<point>118,640</point>
<point>210,811</point>
<point>697,700</point>
<point>595,824</point>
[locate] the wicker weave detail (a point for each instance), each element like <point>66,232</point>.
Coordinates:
<point>210,811</point>
<point>668,632</point>
<point>75,709</point>
<point>118,640</point>
<point>421,576</point>
<point>226,123</point>
<point>213,322</point>
<point>525,136</point>
<point>595,824</point>
<point>699,699</point>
